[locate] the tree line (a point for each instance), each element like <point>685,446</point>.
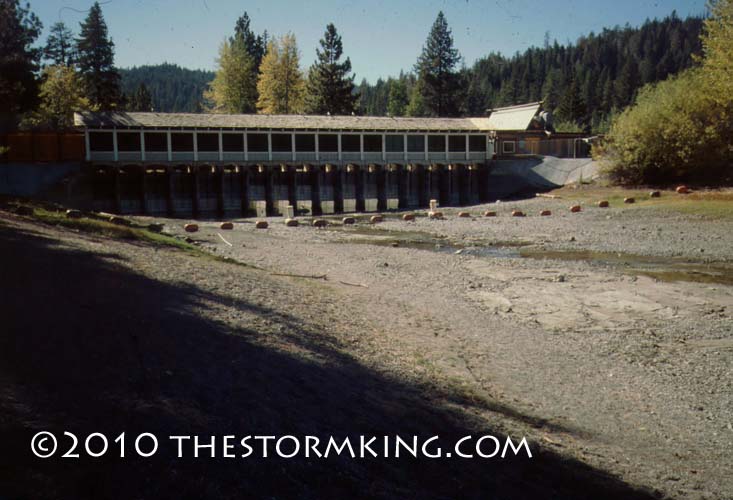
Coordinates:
<point>585,84</point>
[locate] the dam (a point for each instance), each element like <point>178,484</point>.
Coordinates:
<point>215,165</point>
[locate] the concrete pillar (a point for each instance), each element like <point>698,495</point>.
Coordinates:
<point>143,190</point>
<point>370,188</point>
<point>116,190</point>
<point>169,190</point>
<point>392,177</point>
<point>169,145</point>
<point>244,189</point>
<point>115,149</point>
<point>86,145</point>
<point>219,176</point>
<point>142,145</point>
<point>327,177</point>
<point>195,194</point>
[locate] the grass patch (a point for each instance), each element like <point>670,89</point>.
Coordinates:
<point>716,204</point>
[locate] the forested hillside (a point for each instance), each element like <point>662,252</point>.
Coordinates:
<point>583,82</point>
<point>173,89</point>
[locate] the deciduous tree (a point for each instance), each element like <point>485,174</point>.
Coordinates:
<point>62,93</point>
<point>234,88</point>
<point>281,86</point>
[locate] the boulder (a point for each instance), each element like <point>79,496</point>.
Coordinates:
<point>408,217</point>
<point>603,204</point>
<point>319,223</point>
<point>261,224</point>
<point>119,221</point>
<point>191,228</point>
<point>348,221</point>
<point>289,222</point>
<point>489,213</point>
<point>629,201</point>
<point>575,209</point>
<point>518,213</point>
<point>655,194</point>
<point>73,214</point>
<point>545,213</point>
<point>226,226</point>
<point>682,190</point>
<point>376,219</point>
<point>155,228</point>
<point>435,215</point>
<point>464,214</point>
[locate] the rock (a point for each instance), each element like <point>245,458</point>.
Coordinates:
<point>73,214</point>
<point>459,251</point>
<point>292,222</point>
<point>655,194</point>
<point>408,217</point>
<point>489,213</point>
<point>226,226</point>
<point>24,210</point>
<point>319,223</point>
<point>464,214</point>
<point>603,204</point>
<point>572,238</point>
<point>376,219</point>
<point>575,209</point>
<point>191,228</point>
<point>394,244</point>
<point>188,239</point>
<point>155,228</point>
<point>261,224</point>
<point>348,220</point>
<point>561,278</point>
<point>435,215</point>
<point>682,190</point>
<point>120,221</point>
<point>518,213</point>
<point>545,213</point>
<point>629,201</point>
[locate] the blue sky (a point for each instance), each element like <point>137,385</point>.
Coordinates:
<point>381,36</point>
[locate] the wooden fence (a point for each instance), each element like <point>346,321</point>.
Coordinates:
<point>42,147</point>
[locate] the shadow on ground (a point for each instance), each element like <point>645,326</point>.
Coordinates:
<point>86,345</point>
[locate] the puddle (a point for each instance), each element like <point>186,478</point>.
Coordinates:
<point>660,268</point>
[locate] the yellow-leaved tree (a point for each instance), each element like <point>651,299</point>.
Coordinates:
<point>61,93</point>
<point>281,85</point>
<point>234,88</point>
<point>717,42</point>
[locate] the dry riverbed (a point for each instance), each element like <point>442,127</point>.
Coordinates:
<point>604,336</point>
<point>611,326</point>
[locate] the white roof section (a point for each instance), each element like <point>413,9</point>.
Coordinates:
<point>513,117</point>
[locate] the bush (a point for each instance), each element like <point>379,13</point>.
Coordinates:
<point>674,132</point>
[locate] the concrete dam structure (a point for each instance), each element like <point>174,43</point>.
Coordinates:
<point>234,165</point>
<point>198,165</point>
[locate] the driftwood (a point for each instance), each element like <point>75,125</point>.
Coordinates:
<point>317,277</point>
<point>551,196</point>
<point>224,240</point>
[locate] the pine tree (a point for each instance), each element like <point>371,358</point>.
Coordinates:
<point>330,88</point>
<point>436,69</point>
<point>234,88</point>
<point>96,61</point>
<point>281,86</point>
<point>59,49</point>
<point>256,45</point>
<point>19,28</point>
<point>571,107</point>
<point>397,103</point>
<point>141,100</point>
